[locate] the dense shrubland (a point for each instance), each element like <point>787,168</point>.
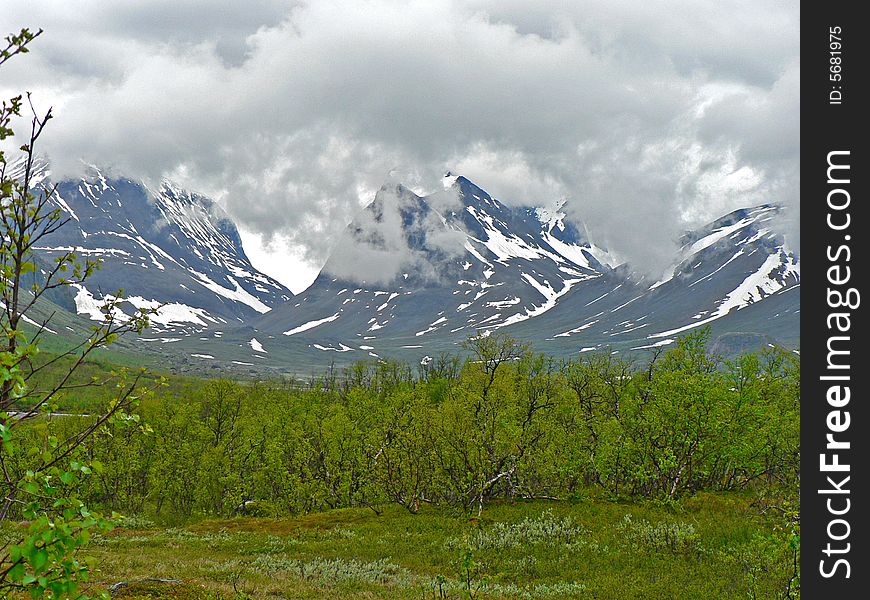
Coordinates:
<point>457,436</point>
<point>504,424</point>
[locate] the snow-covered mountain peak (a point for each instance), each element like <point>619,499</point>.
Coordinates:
<point>485,264</point>
<point>740,231</point>
<point>165,246</point>
<point>449,180</point>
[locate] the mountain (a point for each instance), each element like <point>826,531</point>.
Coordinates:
<point>163,247</point>
<point>735,275</point>
<point>409,271</point>
<point>415,275</point>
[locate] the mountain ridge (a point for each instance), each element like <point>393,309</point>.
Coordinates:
<point>163,246</point>
<point>415,275</point>
<point>518,279</point>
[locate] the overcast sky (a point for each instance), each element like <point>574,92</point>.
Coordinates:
<point>649,117</point>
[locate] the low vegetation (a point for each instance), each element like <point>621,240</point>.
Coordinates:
<point>581,549</point>
<point>503,474</point>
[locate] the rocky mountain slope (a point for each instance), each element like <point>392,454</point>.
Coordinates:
<point>163,247</point>
<point>415,275</point>
<point>475,265</point>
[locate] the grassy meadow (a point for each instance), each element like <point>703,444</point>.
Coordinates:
<point>707,546</point>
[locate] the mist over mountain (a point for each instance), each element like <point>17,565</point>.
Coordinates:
<point>412,276</point>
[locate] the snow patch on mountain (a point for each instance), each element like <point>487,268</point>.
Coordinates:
<point>312,324</point>
<point>167,314</point>
<point>237,295</point>
<point>172,313</point>
<point>655,345</point>
<point>341,348</point>
<point>575,254</point>
<point>433,327</point>
<point>552,217</point>
<point>550,295</point>
<point>778,272</point>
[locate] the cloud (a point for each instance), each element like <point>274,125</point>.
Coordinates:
<point>650,118</point>
<point>397,234</point>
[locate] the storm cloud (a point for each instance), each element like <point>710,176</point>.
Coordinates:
<point>650,118</point>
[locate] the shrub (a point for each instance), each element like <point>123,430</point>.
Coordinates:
<point>676,537</point>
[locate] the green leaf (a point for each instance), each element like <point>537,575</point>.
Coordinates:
<point>38,558</point>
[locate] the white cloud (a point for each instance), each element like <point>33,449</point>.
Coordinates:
<point>649,117</point>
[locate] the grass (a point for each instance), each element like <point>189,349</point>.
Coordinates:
<point>589,549</point>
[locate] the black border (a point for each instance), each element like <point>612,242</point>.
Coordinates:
<point>827,127</point>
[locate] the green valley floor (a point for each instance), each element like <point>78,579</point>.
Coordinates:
<point>707,546</point>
